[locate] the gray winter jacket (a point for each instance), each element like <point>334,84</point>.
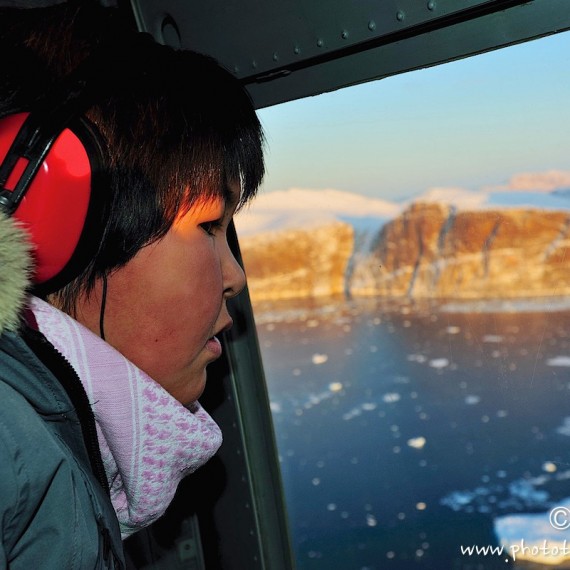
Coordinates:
<point>55,512</point>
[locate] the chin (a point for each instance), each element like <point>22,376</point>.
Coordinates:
<point>190,395</point>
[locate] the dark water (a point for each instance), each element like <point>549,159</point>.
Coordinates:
<point>404,433</point>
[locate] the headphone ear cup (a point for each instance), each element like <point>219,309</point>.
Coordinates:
<point>57,202</point>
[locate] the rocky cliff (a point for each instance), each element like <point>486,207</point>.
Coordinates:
<point>430,250</point>
<point>298,263</point>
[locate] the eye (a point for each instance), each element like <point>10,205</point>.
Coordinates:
<point>211,226</point>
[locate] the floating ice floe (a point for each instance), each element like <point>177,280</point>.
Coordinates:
<point>275,407</point>
<point>335,386</point>
<point>523,493</point>
<point>453,329</point>
<point>391,397</point>
<point>492,338</point>
<point>316,399</point>
<point>564,429</point>
<point>319,358</point>
<point>417,442</point>
<point>549,467</point>
<point>534,537</point>
<point>559,361</point>
<point>439,363</point>
<point>355,412</point>
<point>371,520</point>
<point>417,358</point>
<point>401,380</point>
<point>471,400</point>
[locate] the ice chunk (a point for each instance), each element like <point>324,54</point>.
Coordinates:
<point>439,362</point>
<point>371,520</point>
<point>559,361</point>
<point>319,358</point>
<point>564,429</point>
<point>352,414</point>
<point>471,400</point>
<point>492,338</point>
<point>533,537</point>
<point>417,442</point>
<point>416,358</point>
<point>549,467</point>
<point>391,397</point>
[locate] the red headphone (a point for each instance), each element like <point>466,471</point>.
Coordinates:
<point>50,173</point>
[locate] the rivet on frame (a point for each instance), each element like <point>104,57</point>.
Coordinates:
<point>400,15</point>
<point>297,50</point>
<point>275,56</point>
<point>320,42</point>
<point>371,25</point>
<point>431,5</point>
<point>344,35</point>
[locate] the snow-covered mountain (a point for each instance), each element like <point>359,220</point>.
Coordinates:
<point>300,208</point>
<point>448,242</point>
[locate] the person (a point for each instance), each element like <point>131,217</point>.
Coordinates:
<point>103,362</point>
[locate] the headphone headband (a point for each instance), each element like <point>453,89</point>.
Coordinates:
<point>68,100</point>
<point>42,184</point>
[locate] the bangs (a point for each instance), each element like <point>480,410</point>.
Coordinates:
<point>205,166</point>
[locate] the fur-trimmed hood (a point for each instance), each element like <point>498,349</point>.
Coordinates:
<point>15,270</point>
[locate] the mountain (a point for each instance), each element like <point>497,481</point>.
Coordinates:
<point>299,208</point>
<point>302,243</point>
<point>435,251</point>
<point>453,244</point>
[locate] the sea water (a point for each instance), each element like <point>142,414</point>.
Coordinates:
<point>405,433</point>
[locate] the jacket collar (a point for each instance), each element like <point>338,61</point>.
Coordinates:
<point>149,441</point>
<point>15,266</point>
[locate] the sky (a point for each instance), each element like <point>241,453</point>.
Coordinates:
<point>496,119</point>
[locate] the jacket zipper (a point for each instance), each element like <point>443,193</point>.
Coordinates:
<point>60,367</point>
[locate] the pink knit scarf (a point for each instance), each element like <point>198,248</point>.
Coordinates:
<point>149,441</point>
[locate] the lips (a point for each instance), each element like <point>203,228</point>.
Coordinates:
<point>213,344</point>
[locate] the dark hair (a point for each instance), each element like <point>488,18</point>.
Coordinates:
<point>177,125</point>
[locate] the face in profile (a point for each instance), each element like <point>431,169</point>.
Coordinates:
<point>166,307</point>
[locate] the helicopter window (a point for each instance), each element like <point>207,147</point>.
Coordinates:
<point>408,264</point>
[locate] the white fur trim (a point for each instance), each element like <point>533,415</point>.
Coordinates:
<point>15,264</point>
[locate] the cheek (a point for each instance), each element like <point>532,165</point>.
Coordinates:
<point>162,306</point>
<point>184,291</point>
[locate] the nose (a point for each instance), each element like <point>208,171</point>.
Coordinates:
<point>232,273</point>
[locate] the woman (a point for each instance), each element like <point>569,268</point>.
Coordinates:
<point>101,369</point>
